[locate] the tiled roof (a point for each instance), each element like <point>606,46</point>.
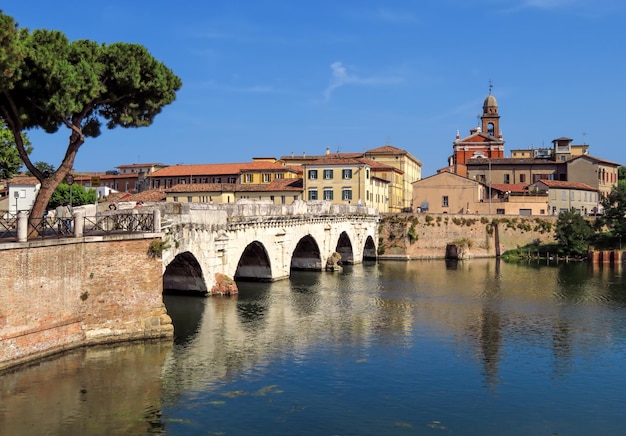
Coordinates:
<point>334,160</point>
<point>149,195</point>
<point>386,149</point>
<point>218,169</point>
<point>140,165</point>
<point>597,159</point>
<point>510,161</point>
<point>202,187</point>
<point>511,187</point>
<point>275,185</point>
<point>314,157</point>
<point>23,180</point>
<point>566,185</point>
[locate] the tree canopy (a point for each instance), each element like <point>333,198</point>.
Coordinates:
<point>614,217</point>
<point>10,161</point>
<point>49,82</point>
<point>76,195</point>
<point>573,233</point>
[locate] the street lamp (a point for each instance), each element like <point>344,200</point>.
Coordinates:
<point>16,195</point>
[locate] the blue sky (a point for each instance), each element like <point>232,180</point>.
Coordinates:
<point>275,77</point>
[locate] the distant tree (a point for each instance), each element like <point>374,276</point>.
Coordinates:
<point>614,217</point>
<point>573,233</point>
<point>43,167</point>
<point>79,195</point>
<point>621,172</point>
<point>10,161</point>
<point>48,82</point>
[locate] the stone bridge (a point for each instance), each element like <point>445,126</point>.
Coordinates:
<point>208,247</point>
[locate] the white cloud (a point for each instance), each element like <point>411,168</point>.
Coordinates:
<point>341,77</point>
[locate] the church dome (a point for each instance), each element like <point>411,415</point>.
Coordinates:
<point>490,102</point>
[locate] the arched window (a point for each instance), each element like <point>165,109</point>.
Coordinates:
<point>490,129</point>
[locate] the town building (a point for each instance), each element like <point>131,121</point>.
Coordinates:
<point>565,196</point>
<point>397,167</point>
<point>22,191</point>
<point>480,157</point>
<point>259,171</point>
<point>278,191</point>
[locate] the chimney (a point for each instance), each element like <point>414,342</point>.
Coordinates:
<point>327,151</point>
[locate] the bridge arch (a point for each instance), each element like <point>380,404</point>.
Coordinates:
<point>344,248</point>
<point>369,250</point>
<point>254,263</point>
<point>184,275</point>
<point>306,255</point>
<point>256,241</point>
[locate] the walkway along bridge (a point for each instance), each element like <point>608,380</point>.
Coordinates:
<point>207,246</point>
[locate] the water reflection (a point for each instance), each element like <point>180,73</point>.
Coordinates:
<point>471,347</point>
<point>95,391</point>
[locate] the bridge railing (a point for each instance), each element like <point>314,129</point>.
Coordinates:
<point>18,227</point>
<point>119,223</point>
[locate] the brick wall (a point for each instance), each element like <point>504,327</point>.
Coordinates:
<point>60,294</point>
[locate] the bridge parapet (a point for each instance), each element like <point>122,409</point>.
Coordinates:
<point>250,211</point>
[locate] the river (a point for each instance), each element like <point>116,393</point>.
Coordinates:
<point>391,348</point>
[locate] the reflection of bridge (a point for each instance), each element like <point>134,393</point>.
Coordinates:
<point>260,241</point>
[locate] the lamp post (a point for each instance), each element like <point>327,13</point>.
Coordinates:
<point>489,162</point>
<point>70,181</point>
<point>16,194</point>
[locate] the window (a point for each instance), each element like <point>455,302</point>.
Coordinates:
<point>346,194</point>
<point>571,195</point>
<point>189,199</point>
<point>346,174</point>
<point>312,194</point>
<point>328,174</point>
<point>232,179</point>
<point>328,194</point>
<point>367,174</point>
<point>278,175</point>
<point>444,201</point>
<point>175,198</point>
<point>168,183</point>
<point>282,199</point>
<point>182,181</point>
<point>563,195</point>
<point>312,174</point>
<point>267,177</point>
<point>507,178</point>
<point>272,198</point>
<point>522,178</point>
<point>217,179</point>
<point>247,178</point>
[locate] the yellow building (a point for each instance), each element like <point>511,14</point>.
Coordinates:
<point>408,170</point>
<point>261,171</point>
<point>279,191</point>
<point>344,181</point>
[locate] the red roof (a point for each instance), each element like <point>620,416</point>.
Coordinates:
<point>218,169</point>
<point>275,185</point>
<point>510,187</point>
<point>566,185</point>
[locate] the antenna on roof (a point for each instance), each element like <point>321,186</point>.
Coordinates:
<point>490,86</point>
<point>584,134</point>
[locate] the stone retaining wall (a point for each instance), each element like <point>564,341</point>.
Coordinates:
<point>425,236</point>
